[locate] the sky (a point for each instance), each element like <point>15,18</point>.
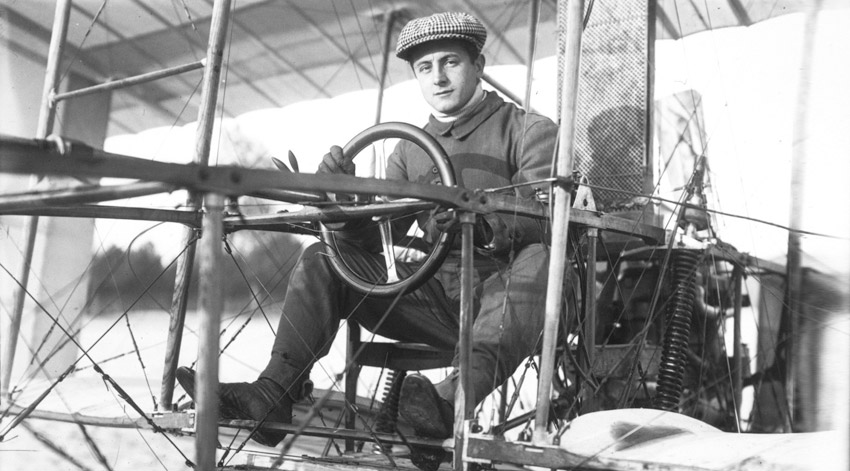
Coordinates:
<point>749,79</point>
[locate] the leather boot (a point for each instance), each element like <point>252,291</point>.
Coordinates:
<point>429,414</point>
<point>263,400</point>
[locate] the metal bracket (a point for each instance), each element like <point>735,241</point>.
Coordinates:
<point>584,197</point>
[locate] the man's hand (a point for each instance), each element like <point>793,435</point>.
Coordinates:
<point>446,220</point>
<point>335,162</point>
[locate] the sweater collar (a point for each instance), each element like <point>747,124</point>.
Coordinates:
<point>464,125</point>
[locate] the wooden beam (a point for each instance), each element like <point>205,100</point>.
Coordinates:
<point>80,195</point>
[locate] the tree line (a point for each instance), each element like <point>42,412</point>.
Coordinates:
<point>138,278</point>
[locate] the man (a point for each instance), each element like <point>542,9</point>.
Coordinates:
<point>491,144</point>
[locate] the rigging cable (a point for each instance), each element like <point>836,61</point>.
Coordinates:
<point>66,340</point>
<point>79,48</point>
<point>106,378</point>
<point>348,48</point>
<point>89,440</point>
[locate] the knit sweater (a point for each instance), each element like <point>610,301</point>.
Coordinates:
<point>496,145</point>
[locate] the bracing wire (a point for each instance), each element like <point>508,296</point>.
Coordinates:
<point>90,28</point>
<point>57,348</point>
<point>188,15</point>
<point>347,46</point>
<point>362,32</point>
<point>85,354</point>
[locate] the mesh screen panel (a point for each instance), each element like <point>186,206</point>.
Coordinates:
<point>612,121</point>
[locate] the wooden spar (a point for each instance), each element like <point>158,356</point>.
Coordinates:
<point>26,411</point>
<point>80,195</point>
<point>75,418</point>
<point>533,17</point>
<point>84,161</point>
<point>46,117</point>
<point>210,300</point>
<point>464,395</point>
<point>130,81</point>
<point>210,292</point>
<point>203,137</point>
<point>191,219</point>
<point>561,208</point>
<point>794,276</point>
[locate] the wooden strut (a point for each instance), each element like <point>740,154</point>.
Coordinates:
<point>561,208</point>
<point>586,353</point>
<point>210,307</point>
<point>464,395</point>
<point>46,117</point>
<point>130,81</point>
<point>792,307</point>
<point>210,293</point>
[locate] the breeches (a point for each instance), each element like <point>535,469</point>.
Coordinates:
<point>509,300</point>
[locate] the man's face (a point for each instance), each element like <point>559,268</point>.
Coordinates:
<point>446,74</point>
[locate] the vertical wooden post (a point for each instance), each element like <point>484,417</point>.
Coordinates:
<point>179,301</point>
<point>794,269</point>
<point>561,210</point>
<point>46,117</point>
<point>464,395</point>
<point>351,378</point>
<point>203,136</point>
<point>210,294</point>
<point>210,301</point>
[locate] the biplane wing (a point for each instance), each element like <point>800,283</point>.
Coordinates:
<point>285,52</point>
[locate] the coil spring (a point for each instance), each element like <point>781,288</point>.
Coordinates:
<point>671,372</point>
<point>388,415</point>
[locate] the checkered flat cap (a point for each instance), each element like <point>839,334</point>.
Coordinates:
<point>448,25</point>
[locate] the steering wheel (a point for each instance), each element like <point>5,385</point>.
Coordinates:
<point>439,250</point>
